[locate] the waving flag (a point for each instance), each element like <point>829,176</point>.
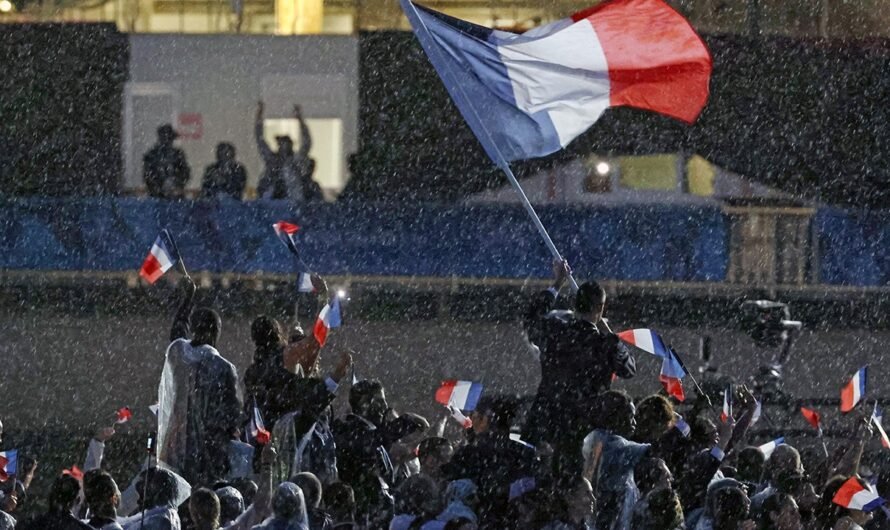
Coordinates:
<point>287,232</point>
<point>853,495</point>
<point>463,395</point>
<point>154,408</point>
<point>8,464</point>
<point>758,412</point>
<point>123,415</point>
<point>671,376</point>
<point>812,417</point>
<point>646,340</point>
<point>529,95</point>
<point>672,371</point>
<point>74,472</point>
<point>726,414</point>
<point>159,260</point>
<point>768,448</point>
<point>257,429</point>
<point>328,318</point>
<point>853,392</point>
<point>876,417</point>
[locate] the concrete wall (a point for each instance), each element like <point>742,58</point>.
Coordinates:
<point>176,78</point>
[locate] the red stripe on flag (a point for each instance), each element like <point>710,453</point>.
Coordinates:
<point>656,60</point>
<point>321,332</point>
<point>151,269</point>
<point>443,394</point>
<point>848,397</point>
<point>811,416</point>
<point>673,387</point>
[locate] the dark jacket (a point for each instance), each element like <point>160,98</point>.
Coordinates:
<point>577,364</point>
<point>165,171</point>
<point>363,459</point>
<point>493,462</point>
<point>56,521</point>
<point>224,178</point>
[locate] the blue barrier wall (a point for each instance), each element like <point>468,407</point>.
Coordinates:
<point>854,246</point>
<point>678,243</point>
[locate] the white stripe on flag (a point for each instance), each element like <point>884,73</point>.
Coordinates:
<point>643,340</point>
<point>460,393</point>
<point>163,258</point>
<point>547,75</point>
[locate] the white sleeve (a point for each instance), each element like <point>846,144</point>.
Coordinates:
<point>95,451</point>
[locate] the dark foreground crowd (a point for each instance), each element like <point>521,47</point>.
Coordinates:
<point>582,456</point>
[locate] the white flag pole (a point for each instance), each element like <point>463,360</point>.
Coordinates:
<point>500,160</point>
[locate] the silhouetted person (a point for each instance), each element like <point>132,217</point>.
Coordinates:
<point>578,362</point>
<point>164,168</point>
<point>225,177</point>
<point>288,174</point>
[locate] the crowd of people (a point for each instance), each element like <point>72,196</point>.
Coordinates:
<point>267,452</point>
<point>287,175</point>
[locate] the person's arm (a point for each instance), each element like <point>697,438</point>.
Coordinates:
<point>740,433</point>
<point>96,449</point>
<point>240,182</point>
<point>181,328</point>
<point>402,426</point>
<point>623,363</point>
<point>305,135</point>
<point>317,397</point>
<point>542,303</point>
<point>848,465</point>
<point>261,508</point>
<point>183,171</point>
<point>262,146</point>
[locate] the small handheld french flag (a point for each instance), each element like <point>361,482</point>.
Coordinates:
<point>646,340</point>
<point>727,405</point>
<point>328,318</point>
<point>304,283</point>
<point>812,417</point>
<point>8,464</point>
<point>463,395</point>
<point>159,260</point>
<point>853,495</point>
<point>257,429</point>
<point>672,371</point>
<point>123,415</point>
<point>74,472</point>
<point>768,448</point>
<point>287,232</point>
<point>853,392</point>
<point>876,417</point>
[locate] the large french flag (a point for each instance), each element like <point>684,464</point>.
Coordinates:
<point>854,495</point>
<point>852,393</point>
<point>462,395</point>
<point>528,95</point>
<point>159,260</point>
<point>672,371</point>
<point>328,318</point>
<point>8,464</point>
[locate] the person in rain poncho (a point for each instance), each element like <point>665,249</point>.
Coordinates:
<point>160,493</point>
<point>199,406</point>
<point>289,509</point>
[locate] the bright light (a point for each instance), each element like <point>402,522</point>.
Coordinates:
<point>340,292</point>
<point>603,168</point>
<point>5,6</point>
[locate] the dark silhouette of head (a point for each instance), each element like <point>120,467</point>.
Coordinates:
<point>590,301</point>
<point>225,152</point>
<point>311,487</point>
<point>285,145</point>
<point>655,414</point>
<point>434,453</point>
<point>616,413</point>
<point>494,413</point>
<point>206,325</point>
<point>63,494</point>
<point>101,493</point>
<point>368,400</point>
<point>204,509</point>
<point>267,336</point>
<point>750,465</point>
<point>339,502</point>
<point>166,134</point>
